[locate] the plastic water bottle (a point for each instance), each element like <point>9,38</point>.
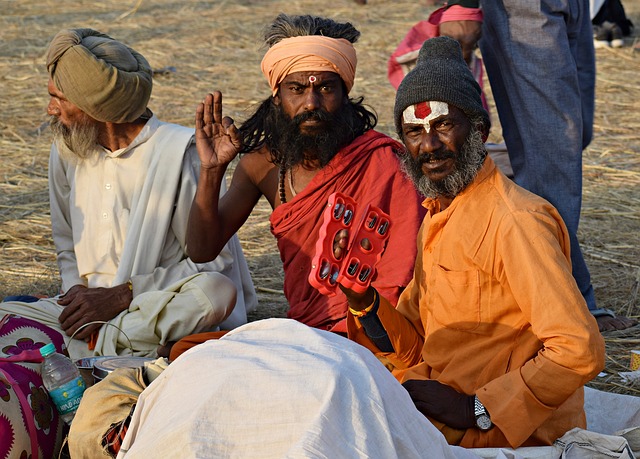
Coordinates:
<point>63,381</point>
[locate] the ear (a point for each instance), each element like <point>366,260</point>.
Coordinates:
<point>276,99</point>
<point>484,130</point>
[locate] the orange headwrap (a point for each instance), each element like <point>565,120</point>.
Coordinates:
<point>309,53</point>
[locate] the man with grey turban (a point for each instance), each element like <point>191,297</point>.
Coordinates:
<point>121,184</point>
<point>492,338</point>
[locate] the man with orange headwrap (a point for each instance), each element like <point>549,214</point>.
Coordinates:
<point>306,141</point>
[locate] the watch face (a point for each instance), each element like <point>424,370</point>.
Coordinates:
<point>484,422</point>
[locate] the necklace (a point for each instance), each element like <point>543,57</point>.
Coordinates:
<point>293,190</point>
<point>283,177</point>
<point>283,195</point>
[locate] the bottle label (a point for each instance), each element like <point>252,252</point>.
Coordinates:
<point>67,397</point>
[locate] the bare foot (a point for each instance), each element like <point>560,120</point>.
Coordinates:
<point>608,323</point>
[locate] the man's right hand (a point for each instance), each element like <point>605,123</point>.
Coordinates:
<point>83,305</point>
<point>467,33</point>
<point>217,139</point>
<point>357,301</point>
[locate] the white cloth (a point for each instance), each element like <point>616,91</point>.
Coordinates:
<point>320,395</point>
<point>101,212</point>
<point>613,422</point>
<point>609,413</point>
<point>123,215</point>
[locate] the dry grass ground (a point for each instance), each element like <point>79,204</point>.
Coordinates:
<point>199,46</point>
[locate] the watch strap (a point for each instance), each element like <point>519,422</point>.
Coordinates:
<point>483,420</point>
<point>478,407</point>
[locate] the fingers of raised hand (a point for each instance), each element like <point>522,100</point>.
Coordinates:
<point>216,101</point>
<point>209,109</point>
<point>200,116</point>
<point>227,123</point>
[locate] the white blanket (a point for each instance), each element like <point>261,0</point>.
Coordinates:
<point>276,388</point>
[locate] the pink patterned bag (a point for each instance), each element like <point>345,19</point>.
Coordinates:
<point>29,422</point>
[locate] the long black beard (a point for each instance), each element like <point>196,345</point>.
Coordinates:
<point>467,164</point>
<point>291,147</point>
<point>77,142</point>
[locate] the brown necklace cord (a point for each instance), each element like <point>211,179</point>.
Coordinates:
<point>283,195</point>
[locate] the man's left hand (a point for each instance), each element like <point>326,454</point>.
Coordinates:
<point>84,305</point>
<point>442,403</point>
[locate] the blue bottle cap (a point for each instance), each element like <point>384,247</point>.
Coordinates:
<point>47,349</point>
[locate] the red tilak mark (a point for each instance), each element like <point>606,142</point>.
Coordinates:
<point>422,110</point>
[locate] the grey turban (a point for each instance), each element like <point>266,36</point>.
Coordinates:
<point>105,78</point>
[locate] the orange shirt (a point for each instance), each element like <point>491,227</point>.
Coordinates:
<point>493,310</point>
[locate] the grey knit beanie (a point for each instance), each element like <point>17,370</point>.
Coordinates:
<point>442,75</point>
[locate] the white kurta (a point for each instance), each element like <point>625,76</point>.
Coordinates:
<point>123,216</point>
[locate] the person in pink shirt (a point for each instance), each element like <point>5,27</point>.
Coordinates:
<point>404,57</point>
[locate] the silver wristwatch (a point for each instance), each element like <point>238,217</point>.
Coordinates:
<point>483,421</point>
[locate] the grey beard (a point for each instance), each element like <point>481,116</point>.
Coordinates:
<point>468,163</point>
<point>75,143</point>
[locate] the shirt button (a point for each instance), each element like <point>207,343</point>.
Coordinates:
<point>108,186</point>
<point>105,215</point>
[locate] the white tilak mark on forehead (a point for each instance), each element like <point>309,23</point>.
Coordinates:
<point>438,109</point>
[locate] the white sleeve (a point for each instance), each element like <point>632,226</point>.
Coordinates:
<point>59,192</point>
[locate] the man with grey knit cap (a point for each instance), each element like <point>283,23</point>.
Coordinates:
<point>121,184</point>
<point>492,339</point>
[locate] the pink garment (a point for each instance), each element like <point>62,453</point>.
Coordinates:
<point>404,57</point>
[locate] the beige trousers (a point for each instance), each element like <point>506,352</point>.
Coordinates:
<point>192,305</point>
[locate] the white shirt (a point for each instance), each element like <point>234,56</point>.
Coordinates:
<point>123,215</point>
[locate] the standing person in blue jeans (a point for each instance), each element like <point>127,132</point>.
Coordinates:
<point>540,62</point>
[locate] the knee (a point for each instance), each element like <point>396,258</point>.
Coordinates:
<point>219,289</point>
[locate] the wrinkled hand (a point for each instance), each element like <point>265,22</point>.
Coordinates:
<point>467,33</point>
<point>217,139</point>
<point>84,305</point>
<point>442,403</point>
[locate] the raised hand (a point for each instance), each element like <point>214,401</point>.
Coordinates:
<point>217,138</point>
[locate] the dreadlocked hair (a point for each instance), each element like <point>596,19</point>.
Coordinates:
<point>285,26</point>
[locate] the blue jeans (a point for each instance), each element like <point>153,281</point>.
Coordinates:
<point>22,298</point>
<point>540,62</point>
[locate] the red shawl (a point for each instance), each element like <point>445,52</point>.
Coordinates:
<point>368,170</point>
